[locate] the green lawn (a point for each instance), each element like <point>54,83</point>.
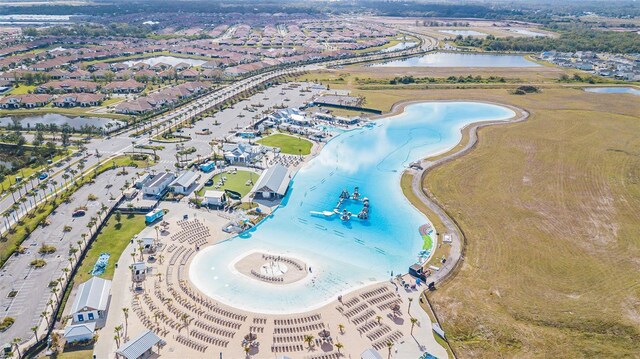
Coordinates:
<point>22,89</point>
<point>113,239</point>
<point>288,144</point>
<point>235,182</point>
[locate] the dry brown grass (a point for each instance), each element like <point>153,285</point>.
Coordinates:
<point>550,208</point>
<point>551,211</point>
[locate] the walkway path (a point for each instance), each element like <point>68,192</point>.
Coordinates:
<point>457,244</point>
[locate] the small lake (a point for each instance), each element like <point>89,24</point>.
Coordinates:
<point>447,59</point>
<point>627,90</point>
<point>399,46</point>
<point>49,118</point>
<point>171,60</point>
<point>463,32</point>
<point>529,33</point>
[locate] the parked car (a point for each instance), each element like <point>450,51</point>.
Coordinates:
<point>78,213</point>
<point>43,176</point>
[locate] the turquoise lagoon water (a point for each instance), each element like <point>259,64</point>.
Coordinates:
<point>628,90</point>
<point>343,256</point>
<point>448,59</point>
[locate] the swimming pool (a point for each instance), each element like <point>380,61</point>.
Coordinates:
<point>342,256</point>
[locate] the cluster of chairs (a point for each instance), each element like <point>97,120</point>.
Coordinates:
<point>330,355</point>
<point>209,339</point>
<point>366,327</point>
<point>290,261</point>
<point>214,330</point>
<point>254,329</point>
<point>190,343</point>
<point>382,330</point>
<point>287,348</point>
<point>374,292</point>
<point>351,302</point>
<point>286,160</point>
<point>379,299</point>
<point>174,256</point>
<point>356,310</point>
<point>288,339</point>
<point>258,320</point>
<point>212,306</point>
<point>382,343</point>
<point>389,303</point>
<point>299,329</point>
<point>361,318</point>
<point>300,320</point>
<point>266,278</point>
<point>193,232</point>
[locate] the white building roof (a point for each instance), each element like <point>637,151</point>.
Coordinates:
<point>92,294</point>
<point>274,180</point>
<point>159,179</point>
<point>185,180</point>
<point>76,330</point>
<point>134,348</point>
<point>214,194</point>
<point>370,354</point>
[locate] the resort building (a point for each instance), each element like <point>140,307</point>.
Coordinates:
<point>138,271</point>
<point>91,301</point>
<point>158,184</point>
<point>214,198</point>
<point>241,152</point>
<point>79,332</point>
<point>273,183</point>
<point>185,183</point>
<point>140,346</point>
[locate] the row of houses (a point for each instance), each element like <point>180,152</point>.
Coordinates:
<point>166,97</point>
<point>624,67</point>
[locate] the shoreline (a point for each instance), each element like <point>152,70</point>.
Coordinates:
<point>458,244</point>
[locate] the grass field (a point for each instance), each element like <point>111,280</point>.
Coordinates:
<point>550,209</point>
<point>113,239</point>
<point>288,144</point>
<point>235,182</point>
<point>22,89</point>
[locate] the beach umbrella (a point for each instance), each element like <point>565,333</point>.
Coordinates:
<point>395,307</point>
<point>250,337</point>
<point>324,334</point>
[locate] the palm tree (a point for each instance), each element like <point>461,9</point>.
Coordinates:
<point>246,351</point>
<point>341,328</point>
<point>34,329</point>
<point>125,311</point>
<point>84,237</point>
<point>16,343</point>
<point>45,315</point>
<point>339,346</point>
<point>413,323</point>
<point>378,319</point>
<point>54,290</point>
<point>389,346</point>
<point>408,309</point>
<point>309,340</point>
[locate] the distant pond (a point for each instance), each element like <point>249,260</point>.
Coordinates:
<point>627,90</point>
<point>448,59</point>
<point>49,118</point>
<point>463,32</point>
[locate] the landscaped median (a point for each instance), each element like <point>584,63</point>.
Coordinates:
<point>12,240</point>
